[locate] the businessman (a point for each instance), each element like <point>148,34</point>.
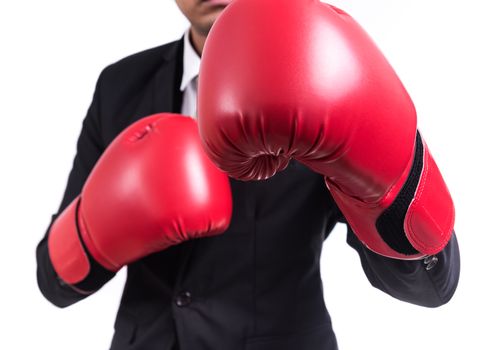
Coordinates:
<point>244,272</point>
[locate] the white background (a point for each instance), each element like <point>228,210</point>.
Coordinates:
<point>51,53</point>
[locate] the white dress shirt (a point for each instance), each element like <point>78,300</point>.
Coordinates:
<point>189,81</point>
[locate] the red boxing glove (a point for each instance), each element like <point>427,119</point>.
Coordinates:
<point>284,79</point>
<point>152,188</point>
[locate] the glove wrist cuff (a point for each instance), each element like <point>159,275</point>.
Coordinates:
<point>67,254</point>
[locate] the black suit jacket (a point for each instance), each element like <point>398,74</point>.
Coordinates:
<point>257,286</point>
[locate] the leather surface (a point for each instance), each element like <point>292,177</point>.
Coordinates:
<point>312,87</point>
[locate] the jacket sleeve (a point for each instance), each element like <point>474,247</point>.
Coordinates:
<point>89,149</point>
<point>429,282</point>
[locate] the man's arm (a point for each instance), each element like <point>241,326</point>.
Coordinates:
<point>429,282</point>
<point>89,149</point>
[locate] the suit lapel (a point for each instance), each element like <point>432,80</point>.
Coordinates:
<point>167,95</point>
<point>162,93</point>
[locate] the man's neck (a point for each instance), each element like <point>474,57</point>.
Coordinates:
<point>197,40</point>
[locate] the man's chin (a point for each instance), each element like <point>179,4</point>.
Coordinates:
<point>205,28</point>
<point>218,2</point>
<point>217,7</point>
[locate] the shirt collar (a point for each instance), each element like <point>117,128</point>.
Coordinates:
<point>191,62</point>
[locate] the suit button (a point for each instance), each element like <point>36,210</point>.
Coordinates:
<point>183,299</point>
<point>430,262</point>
